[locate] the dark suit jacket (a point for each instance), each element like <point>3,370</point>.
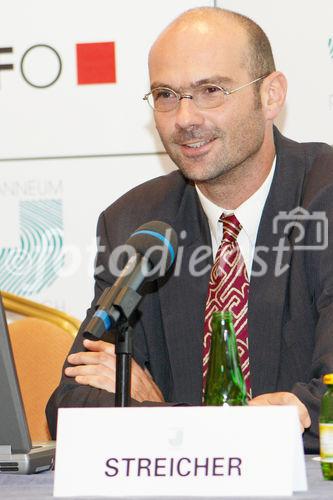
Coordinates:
<point>290,317</point>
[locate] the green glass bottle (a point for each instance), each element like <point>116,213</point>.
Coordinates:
<point>326,429</point>
<point>225,383</point>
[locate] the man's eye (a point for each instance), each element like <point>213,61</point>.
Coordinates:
<point>163,94</point>
<point>211,90</point>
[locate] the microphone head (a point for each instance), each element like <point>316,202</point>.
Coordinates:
<point>158,243</point>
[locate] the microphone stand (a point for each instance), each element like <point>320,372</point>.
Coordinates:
<point>123,350</point>
<point>126,302</point>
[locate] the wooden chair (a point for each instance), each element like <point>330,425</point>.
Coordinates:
<point>40,344</point>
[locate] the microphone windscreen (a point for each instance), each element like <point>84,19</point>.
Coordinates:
<point>158,242</point>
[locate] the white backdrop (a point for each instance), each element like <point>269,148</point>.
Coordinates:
<point>69,149</point>
<point>300,32</point>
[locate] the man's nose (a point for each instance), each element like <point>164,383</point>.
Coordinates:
<point>188,113</point>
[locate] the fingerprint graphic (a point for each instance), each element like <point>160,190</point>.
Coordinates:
<point>330,46</point>
<point>34,266</point>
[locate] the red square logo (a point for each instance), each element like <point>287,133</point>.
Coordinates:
<point>96,63</point>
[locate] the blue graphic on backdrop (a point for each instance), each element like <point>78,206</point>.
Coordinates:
<point>35,264</point>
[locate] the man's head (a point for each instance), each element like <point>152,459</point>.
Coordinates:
<point>214,46</point>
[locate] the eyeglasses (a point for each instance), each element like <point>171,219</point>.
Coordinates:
<point>205,96</point>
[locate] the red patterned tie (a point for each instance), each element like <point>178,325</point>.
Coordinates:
<point>228,291</point>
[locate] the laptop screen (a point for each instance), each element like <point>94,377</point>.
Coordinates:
<point>13,424</point>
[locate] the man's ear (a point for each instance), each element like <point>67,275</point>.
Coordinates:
<point>273,94</point>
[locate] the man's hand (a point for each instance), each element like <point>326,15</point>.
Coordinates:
<point>284,398</point>
<point>97,368</point>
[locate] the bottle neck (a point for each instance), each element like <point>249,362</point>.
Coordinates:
<point>221,323</point>
<point>223,316</point>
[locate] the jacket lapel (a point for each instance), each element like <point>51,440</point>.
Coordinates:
<point>183,298</point>
<point>268,291</point>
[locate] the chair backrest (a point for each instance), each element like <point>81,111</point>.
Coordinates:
<point>40,349</point>
<point>40,344</point>
<point>27,307</point>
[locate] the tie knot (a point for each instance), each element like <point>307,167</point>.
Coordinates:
<point>231,227</point>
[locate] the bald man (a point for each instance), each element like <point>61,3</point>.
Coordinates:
<point>215,93</point>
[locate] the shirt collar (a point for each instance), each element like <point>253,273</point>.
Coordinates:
<point>248,213</point>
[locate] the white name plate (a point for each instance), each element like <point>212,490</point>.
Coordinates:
<point>183,451</point>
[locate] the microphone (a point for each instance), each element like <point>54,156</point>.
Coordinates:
<point>155,248</point>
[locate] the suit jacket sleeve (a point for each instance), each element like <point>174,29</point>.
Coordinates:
<point>69,393</point>
<point>318,264</point>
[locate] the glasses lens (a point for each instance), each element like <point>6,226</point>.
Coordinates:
<point>208,96</point>
<point>163,99</point>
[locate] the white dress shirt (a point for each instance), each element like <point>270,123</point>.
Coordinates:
<point>248,214</point>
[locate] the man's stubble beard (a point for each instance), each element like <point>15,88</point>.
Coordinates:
<point>236,148</point>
